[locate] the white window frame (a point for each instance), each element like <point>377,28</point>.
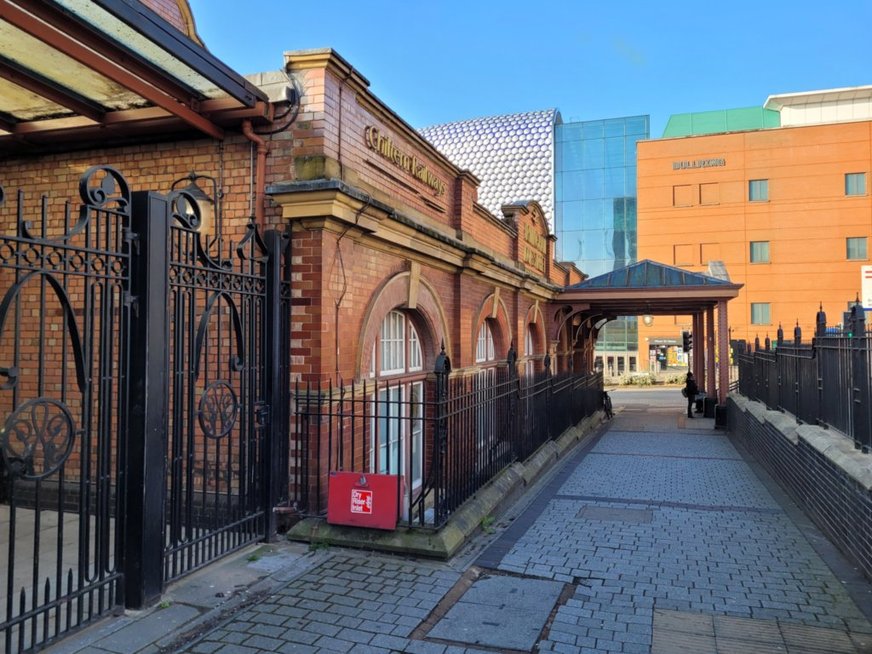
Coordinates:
<point>759,185</point>
<point>768,313</point>
<point>398,407</point>
<point>850,177</point>
<point>751,252</point>
<point>484,345</point>
<point>529,351</point>
<point>856,239</point>
<point>392,344</point>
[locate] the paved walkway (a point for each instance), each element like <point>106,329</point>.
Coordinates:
<point>658,538</point>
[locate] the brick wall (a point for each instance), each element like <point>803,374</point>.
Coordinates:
<point>824,475</point>
<point>347,277</point>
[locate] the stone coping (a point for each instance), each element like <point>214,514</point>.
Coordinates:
<point>833,445</point>
<point>443,543</point>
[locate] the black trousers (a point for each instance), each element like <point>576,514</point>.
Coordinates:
<point>690,402</point>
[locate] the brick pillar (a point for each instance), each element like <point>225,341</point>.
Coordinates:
<point>723,352</point>
<point>698,348</point>
<point>710,351</point>
<point>465,197</point>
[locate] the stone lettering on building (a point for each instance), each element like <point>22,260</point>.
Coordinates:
<point>699,163</point>
<point>387,149</point>
<point>535,248</point>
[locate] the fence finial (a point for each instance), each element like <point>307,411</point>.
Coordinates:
<point>443,363</point>
<point>779,335</point>
<point>821,322</point>
<point>767,342</point>
<point>797,333</point>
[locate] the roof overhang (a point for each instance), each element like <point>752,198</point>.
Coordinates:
<point>781,100</point>
<point>648,288</point>
<point>652,302</point>
<point>93,72</point>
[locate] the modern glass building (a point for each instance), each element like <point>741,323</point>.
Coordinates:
<point>583,174</point>
<point>595,213</point>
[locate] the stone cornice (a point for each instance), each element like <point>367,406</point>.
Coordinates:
<point>333,205</point>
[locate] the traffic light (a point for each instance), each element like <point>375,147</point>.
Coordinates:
<point>686,341</point>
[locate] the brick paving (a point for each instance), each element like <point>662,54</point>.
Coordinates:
<point>658,539</point>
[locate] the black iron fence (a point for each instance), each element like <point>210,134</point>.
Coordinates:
<point>823,382</point>
<point>143,401</point>
<point>446,434</point>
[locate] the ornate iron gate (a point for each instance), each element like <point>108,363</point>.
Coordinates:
<point>64,333</point>
<point>143,382</point>
<point>221,326</point>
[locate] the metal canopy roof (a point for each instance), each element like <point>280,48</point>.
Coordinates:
<point>96,70</point>
<point>648,287</point>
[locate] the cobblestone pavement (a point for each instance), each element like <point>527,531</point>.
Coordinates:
<point>657,539</point>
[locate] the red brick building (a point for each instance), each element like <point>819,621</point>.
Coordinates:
<point>143,343</point>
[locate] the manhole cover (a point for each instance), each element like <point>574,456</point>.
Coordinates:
<point>500,612</point>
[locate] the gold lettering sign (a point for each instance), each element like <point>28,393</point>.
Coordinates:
<point>535,248</point>
<point>386,148</point>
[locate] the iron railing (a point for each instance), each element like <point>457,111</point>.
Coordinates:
<point>447,434</point>
<point>143,401</point>
<point>823,382</point>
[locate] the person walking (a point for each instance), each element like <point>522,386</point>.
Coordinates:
<point>690,391</point>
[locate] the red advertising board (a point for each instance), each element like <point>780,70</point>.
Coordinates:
<point>359,499</point>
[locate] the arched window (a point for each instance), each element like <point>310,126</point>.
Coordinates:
<point>398,403</point>
<point>529,351</point>
<point>484,346</point>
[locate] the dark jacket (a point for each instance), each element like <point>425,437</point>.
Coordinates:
<point>691,389</point>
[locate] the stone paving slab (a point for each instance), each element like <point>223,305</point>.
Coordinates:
<point>500,612</point>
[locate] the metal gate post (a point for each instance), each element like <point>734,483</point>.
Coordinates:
<point>276,462</point>
<point>146,430</point>
<point>860,391</point>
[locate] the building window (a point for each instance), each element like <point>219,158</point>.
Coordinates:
<point>397,445</point>
<point>684,254</point>
<point>529,351</point>
<point>758,190</point>
<point>709,252</point>
<point>709,193</point>
<point>759,251</point>
<point>392,342</point>
<point>484,346</point>
<point>855,247</point>
<point>682,195</point>
<point>855,183</point>
<point>760,313</point>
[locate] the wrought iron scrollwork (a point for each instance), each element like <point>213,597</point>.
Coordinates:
<point>185,210</point>
<point>11,374</point>
<point>218,410</point>
<point>103,185</point>
<point>100,187</point>
<point>37,438</point>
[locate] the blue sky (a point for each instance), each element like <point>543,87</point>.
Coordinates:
<point>439,61</point>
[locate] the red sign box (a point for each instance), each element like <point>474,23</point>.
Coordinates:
<point>359,499</point>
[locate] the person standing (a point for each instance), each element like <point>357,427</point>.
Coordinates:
<point>690,391</point>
